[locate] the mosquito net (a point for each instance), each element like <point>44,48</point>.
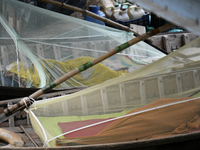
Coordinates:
<point>157,100</point>
<point>147,101</point>
<point>38,46</point>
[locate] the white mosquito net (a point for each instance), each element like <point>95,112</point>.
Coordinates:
<point>39,46</point>
<point>150,100</point>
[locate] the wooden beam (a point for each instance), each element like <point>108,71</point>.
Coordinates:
<point>11,121</point>
<point>27,134</point>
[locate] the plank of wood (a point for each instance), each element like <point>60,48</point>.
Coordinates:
<point>33,135</point>
<point>20,122</point>
<point>29,144</point>
<point>23,136</point>
<point>138,28</point>
<point>28,136</point>
<point>39,142</point>
<point>28,126</point>
<point>166,43</point>
<point>29,129</point>
<point>186,39</point>
<point>11,121</point>
<point>4,124</point>
<point>13,129</point>
<point>36,138</point>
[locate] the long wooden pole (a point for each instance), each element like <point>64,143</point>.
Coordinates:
<point>20,105</point>
<point>86,12</point>
<point>105,20</point>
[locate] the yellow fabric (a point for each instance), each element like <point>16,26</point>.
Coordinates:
<point>196,94</point>
<point>94,75</point>
<point>25,72</point>
<point>51,123</point>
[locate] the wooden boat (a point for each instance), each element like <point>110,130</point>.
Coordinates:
<point>179,142</point>
<point>21,125</point>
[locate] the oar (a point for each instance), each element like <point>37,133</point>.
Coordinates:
<point>105,20</point>
<point>26,102</point>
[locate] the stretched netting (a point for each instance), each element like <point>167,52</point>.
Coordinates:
<point>158,100</point>
<point>39,46</point>
<point>135,95</point>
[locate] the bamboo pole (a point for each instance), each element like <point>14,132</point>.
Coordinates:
<point>105,20</point>
<point>86,12</point>
<point>21,105</point>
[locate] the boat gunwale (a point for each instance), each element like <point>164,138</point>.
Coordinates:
<point>139,144</point>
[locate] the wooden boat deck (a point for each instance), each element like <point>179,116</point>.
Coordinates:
<point>21,124</point>
<point>26,132</point>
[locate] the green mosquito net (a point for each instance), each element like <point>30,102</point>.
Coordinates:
<point>38,46</point>
<point>161,99</point>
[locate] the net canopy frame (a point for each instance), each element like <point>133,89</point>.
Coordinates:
<point>38,46</point>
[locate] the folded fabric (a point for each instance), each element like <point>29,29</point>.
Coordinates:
<point>90,131</point>
<point>161,122</point>
<point>54,69</point>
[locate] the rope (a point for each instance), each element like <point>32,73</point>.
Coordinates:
<point>30,100</point>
